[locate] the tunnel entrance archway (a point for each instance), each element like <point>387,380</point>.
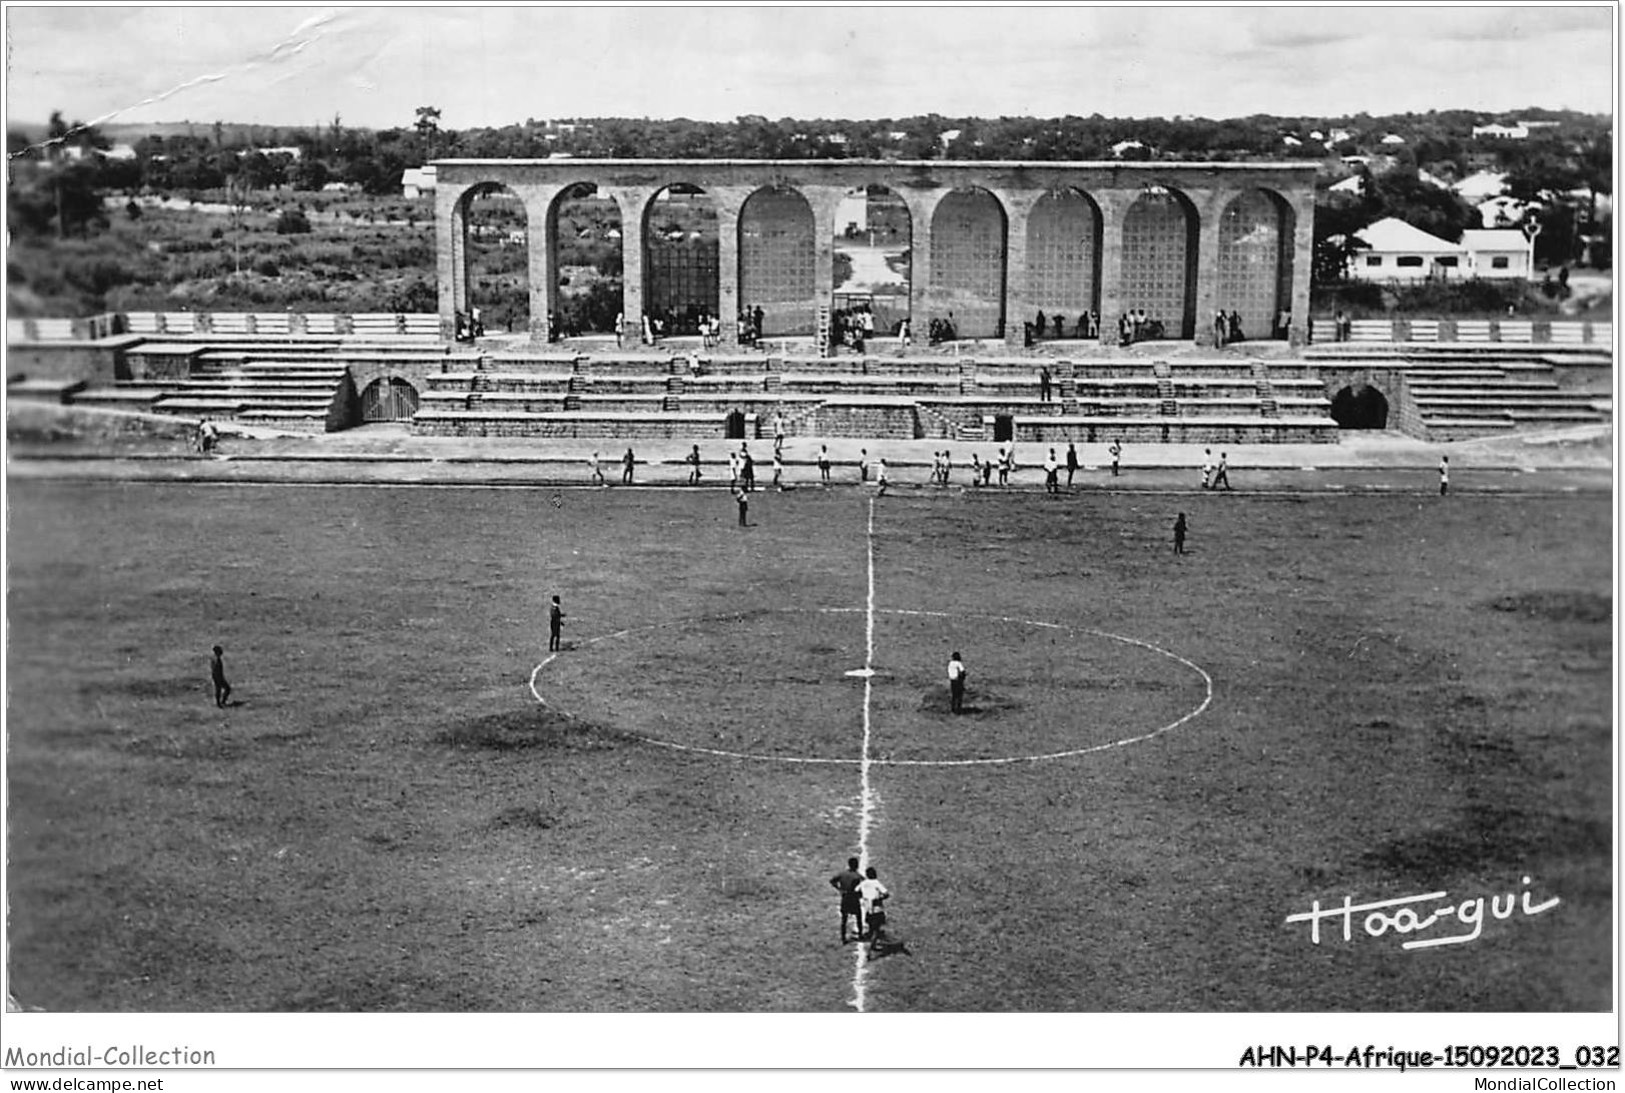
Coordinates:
<point>496,236</point>
<point>389,398</point>
<point>586,232</point>
<point>1360,406</point>
<point>681,282</point>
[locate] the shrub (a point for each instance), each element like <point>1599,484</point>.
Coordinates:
<point>292,222</point>
<point>265,267</point>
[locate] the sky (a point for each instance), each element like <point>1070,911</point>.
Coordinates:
<point>497,65</point>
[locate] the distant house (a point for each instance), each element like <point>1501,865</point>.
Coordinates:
<point>1495,253</point>
<point>1501,132</point>
<point>1354,184</point>
<point>418,181</point>
<point>1392,139</point>
<point>1481,185</point>
<point>1396,251</point>
<point>1291,141</point>
<point>1123,146</point>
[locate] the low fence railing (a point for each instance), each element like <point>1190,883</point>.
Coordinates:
<point>1325,330</point>
<point>269,324</point>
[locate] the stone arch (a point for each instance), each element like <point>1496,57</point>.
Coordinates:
<point>1360,406</point>
<point>778,260</point>
<point>1160,231</point>
<point>967,271</point>
<point>585,230</point>
<point>872,254</point>
<point>388,398</point>
<point>493,233</point>
<point>1253,265</point>
<point>1063,255</point>
<point>681,269</point>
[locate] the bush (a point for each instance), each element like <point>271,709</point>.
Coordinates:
<point>265,267</point>
<point>292,222</point>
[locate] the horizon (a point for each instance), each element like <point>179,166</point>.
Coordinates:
<point>491,67</point>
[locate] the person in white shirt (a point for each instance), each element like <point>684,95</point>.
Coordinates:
<point>872,896</point>
<point>1207,469</point>
<point>597,472</point>
<point>880,477</point>
<point>1444,475</point>
<point>1052,470</point>
<point>956,683</point>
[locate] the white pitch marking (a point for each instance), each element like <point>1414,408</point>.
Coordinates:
<point>862,673</point>
<point>866,793</point>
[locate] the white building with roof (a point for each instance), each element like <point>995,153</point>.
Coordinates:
<point>1396,251</point>
<point>1503,252</point>
<point>418,181</point>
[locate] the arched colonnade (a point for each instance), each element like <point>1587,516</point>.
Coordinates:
<point>991,243</point>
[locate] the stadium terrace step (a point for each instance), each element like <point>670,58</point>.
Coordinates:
<point>605,425</point>
<point>209,407</point>
<point>45,389</point>
<point>117,398</point>
<point>1185,430</point>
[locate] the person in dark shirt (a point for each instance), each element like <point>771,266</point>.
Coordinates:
<point>1071,462</point>
<point>627,461</point>
<point>846,883</point>
<point>555,626</point>
<point>1179,534</point>
<point>694,466</point>
<point>217,673</point>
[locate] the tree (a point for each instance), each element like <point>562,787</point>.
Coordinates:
<point>428,129</point>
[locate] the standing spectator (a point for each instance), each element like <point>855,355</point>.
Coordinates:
<point>880,477</point>
<point>1444,475</point>
<point>1207,468</point>
<point>555,626</point>
<point>778,471</point>
<point>1221,327</point>
<point>217,676</point>
<point>846,883</point>
<point>823,464</point>
<point>1223,473</point>
<point>596,471</point>
<point>956,683</point>
<point>778,433</point>
<point>1117,454</point>
<point>987,473</point>
<point>627,461</point>
<point>1060,325</point>
<point>1179,534</point>
<point>863,465</point>
<point>1071,462</point>
<point>1040,324</point>
<point>1004,473</point>
<point>1009,466</point>
<point>694,466</point>
<point>1044,384</point>
<point>1052,474</point>
<point>756,318</point>
<point>872,897</point>
<point>975,469</point>
<point>620,334</point>
<point>733,469</point>
<point>1235,327</point>
<point>747,469</point>
<point>947,465</point>
<point>743,499</point>
<point>905,335</point>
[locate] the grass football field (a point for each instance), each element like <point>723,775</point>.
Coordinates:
<point>1162,758</point>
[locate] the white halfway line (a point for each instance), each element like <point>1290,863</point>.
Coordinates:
<point>866,797</point>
